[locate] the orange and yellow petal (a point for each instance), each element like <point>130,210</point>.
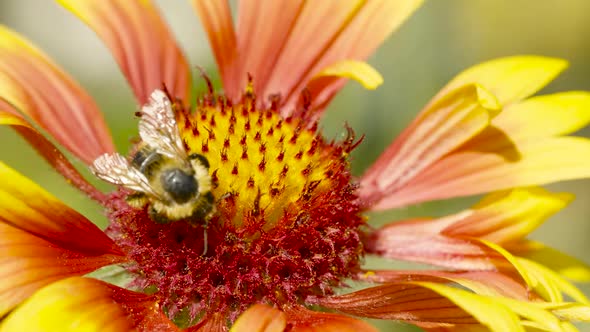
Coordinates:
<point>481,282</point>
<point>522,146</point>
<point>302,320</point>
<point>440,128</point>
<point>501,218</point>
<point>438,306</point>
<point>42,240</point>
<point>308,37</point>
<point>37,87</point>
<point>141,43</point>
<point>84,304</point>
<point>10,117</point>
<point>260,318</point>
<point>565,265</point>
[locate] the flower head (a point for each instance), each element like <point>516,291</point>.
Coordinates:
<point>238,211</point>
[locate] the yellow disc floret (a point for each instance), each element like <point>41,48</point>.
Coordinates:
<point>265,161</point>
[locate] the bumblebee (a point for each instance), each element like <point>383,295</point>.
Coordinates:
<point>175,185</point>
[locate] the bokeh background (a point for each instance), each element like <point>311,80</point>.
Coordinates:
<point>440,40</point>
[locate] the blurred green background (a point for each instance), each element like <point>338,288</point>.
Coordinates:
<point>441,39</point>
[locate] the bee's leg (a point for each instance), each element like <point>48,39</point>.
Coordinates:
<point>157,217</point>
<point>205,244</point>
<point>136,200</point>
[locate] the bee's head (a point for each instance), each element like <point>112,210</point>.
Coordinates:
<point>180,185</point>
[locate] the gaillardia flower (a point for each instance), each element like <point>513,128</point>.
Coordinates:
<point>234,211</point>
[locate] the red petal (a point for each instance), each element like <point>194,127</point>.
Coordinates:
<point>36,86</point>
<point>217,20</point>
<point>141,43</point>
<point>8,116</point>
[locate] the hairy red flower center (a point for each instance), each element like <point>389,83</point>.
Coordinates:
<point>285,224</point>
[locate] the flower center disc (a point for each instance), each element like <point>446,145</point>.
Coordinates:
<point>285,225</point>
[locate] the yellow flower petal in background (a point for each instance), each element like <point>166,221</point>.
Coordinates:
<point>36,86</point>
<point>260,318</point>
<point>141,43</point>
<point>510,79</point>
<point>359,71</point>
<point>86,305</point>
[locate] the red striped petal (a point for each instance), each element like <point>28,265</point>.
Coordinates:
<point>216,18</point>
<point>10,117</point>
<point>43,240</point>
<point>480,282</point>
<point>306,37</point>
<point>36,86</point>
<point>141,43</point>
<point>420,240</point>
<point>84,304</point>
<point>406,302</point>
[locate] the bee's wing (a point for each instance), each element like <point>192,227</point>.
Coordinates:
<point>115,169</point>
<point>158,128</point>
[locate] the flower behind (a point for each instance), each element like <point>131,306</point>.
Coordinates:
<point>288,227</point>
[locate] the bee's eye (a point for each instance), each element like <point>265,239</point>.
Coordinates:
<point>180,185</point>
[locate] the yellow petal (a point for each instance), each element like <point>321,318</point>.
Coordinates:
<point>36,86</point>
<point>359,71</point>
<point>542,319</point>
<point>534,119</point>
<point>552,281</point>
<point>141,43</point>
<point>545,282</point>
<point>566,265</point>
<point>510,79</point>
<point>572,311</point>
<point>260,318</point>
<point>487,311</point>
<point>86,305</point>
